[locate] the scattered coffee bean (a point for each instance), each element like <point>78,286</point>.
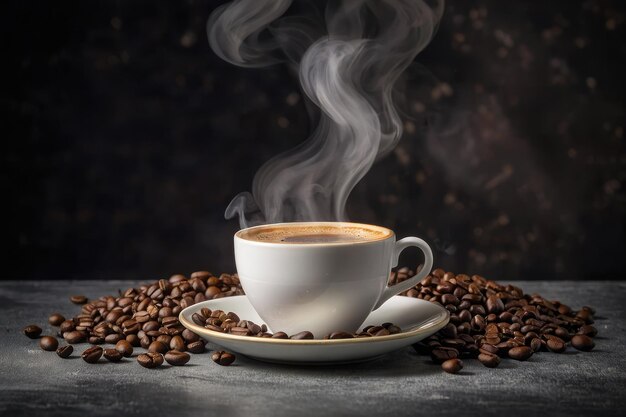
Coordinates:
<point>74,337</point>
<point>452,366</point>
<point>56,319</point>
<point>49,343</point>
<point>280,335</point>
<point>32,331</point>
<point>489,320</point>
<point>556,346</point>
<point>176,358</point>
<point>65,351</point>
<point>92,354</point>
<point>520,353</point>
<point>150,359</point>
<point>489,360</point>
<point>157,346</point>
<point>112,355</point>
<point>583,342</point>
<point>223,358</point>
<point>442,354</point>
<point>78,299</point>
<point>124,348</point>
<point>588,330</point>
<point>196,347</point>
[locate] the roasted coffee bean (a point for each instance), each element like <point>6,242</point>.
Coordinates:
<point>145,341</point>
<point>449,331</point>
<point>112,355</point>
<point>157,346</point>
<point>56,319</point>
<point>125,348</point>
<point>520,353</point>
<point>176,358</point>
<point>92,354</point>
<point>536,344</point>
<point>189,336</point>
<point>280,335</point>
<point>588,330</point>
<point>49,343</point>
<point>65,351</point>
<point>440,355</point>
<point>78,299</point>
<point>113,338</point>
<point>150,360</point>
<point>95,340</point>
<point>583,342</point>
<point>178,344</point>
<point>452,366</point>
<point>196,347</point>
<point>222,358</point>
<point>556,346</point>
<point>32,331</point>
<point>198,319</point>
<point>302,335</point>
<point>74,337</point>
<point>67,326</point>
<point>489,360</point>
<point>494,305</point>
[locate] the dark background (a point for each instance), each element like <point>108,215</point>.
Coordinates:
<point>125,137</point>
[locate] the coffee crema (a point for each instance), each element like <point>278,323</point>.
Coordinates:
<point>315,233</point>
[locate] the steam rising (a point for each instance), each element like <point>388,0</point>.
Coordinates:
<point>348,62</point>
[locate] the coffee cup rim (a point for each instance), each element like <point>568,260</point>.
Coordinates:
<point>387,234</point>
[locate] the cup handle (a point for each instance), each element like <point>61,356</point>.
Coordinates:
<point>401,245</point>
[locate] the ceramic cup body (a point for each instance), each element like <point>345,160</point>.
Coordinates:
<point>321,287</point>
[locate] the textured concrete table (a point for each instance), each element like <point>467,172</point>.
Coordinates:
<point>34,382</point>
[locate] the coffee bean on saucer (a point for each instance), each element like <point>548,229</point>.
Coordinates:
<point>583,342</point>
<point>340,335</point>
<point>65,351</point>
<point>176,358</point>
<point>49,343</point>
<point>452,366</point>
<point>112,355</point>
<point>78,299</point>
<point>196,347</point>
<point>124,348</point>
<point>92,354</point>
<point>280,335</point>
<point>302,335</point>
<point>520,353</point>
<point>32,331</point>
<point>150,360</point>
<point>56,319</point>
<point>489,360</point>
<point>222,358</point>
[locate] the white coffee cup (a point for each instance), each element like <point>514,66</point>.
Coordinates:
<point>320,285</point>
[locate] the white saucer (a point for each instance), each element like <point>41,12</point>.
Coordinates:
<point>417,318</point>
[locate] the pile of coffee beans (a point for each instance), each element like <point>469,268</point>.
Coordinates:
<point>222,322</point>
<point>144,317</point>
<point>489,321</point>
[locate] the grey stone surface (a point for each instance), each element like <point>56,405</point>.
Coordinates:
<point>34,382</point>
